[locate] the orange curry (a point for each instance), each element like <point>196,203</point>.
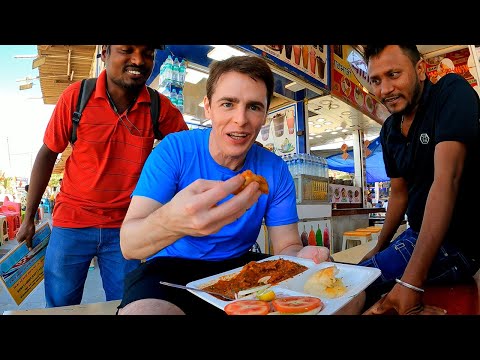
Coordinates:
<point>277,270</point>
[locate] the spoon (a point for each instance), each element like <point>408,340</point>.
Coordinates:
<point>195,289</point>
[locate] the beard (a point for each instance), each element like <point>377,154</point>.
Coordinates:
<point>416,94</point>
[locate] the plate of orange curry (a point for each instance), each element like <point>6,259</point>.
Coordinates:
<point>286,276</point>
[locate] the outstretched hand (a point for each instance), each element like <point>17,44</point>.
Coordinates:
<point>403,301</point>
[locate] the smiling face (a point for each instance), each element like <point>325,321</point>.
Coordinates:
<point>128,66</point>
<point>396,80</point>
<point>238,109</point>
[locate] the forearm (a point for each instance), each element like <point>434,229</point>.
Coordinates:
<point>438,213</point>
<point>39,178</point>
<point>291,250</point>
<point>141,238</point>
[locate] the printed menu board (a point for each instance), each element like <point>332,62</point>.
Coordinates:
<point>308,59</point>
<point>348,80</point>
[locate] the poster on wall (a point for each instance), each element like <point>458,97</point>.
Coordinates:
<point>349,82</point>
<point>279,134</point>
<point>460,62</point>
<point>308,59</point>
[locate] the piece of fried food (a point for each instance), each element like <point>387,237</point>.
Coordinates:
<point>249,177</point>
<point>323,283</point>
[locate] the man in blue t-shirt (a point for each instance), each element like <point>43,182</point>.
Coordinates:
<point>431,149</point>
<point>183,218</point>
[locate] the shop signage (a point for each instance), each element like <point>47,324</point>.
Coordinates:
<point>310,62</point>
<point>459,62</point>
<point>348,80</point>
<point>279,134</point>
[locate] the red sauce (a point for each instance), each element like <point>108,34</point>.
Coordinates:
<point>278,270</point>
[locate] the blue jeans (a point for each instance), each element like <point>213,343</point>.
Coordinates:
<point>449,266</point>
<point>68,257</point>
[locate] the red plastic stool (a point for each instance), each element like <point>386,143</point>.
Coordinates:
<point>458,299</point>
<point>13,224</point>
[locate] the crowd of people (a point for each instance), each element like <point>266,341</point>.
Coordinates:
<point>175,214</point>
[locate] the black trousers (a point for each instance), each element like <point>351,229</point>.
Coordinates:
<point>142,283</point>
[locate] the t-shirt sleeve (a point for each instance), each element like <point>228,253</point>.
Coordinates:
<point>282,209</point>
<point>159,178</point>
<point>459,112</point>
<point>59,128</point>
<point>171,119</point>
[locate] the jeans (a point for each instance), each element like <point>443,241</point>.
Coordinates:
<point>449,266</point>
<point>68,257</point>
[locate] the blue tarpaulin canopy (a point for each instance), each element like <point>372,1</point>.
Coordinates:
<point>375,167</point>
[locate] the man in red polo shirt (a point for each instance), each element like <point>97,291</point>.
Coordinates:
<point>114,138</point>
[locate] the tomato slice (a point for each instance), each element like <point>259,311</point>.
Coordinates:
<point>296,304</point>
<point>247,307</point>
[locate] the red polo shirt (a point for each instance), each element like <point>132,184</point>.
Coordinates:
<point>107,157</point>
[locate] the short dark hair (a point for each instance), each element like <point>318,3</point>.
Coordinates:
<point>153,46</point>
<point>410,50</point>
<point>253,66</point>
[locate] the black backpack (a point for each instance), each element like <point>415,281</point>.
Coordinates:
<point>86,89</point>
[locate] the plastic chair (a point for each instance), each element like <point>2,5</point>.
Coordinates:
<point>375,231</point>
<point>362,236</point>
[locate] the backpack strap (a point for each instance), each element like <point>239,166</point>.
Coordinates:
<point>155,111</point>
<point>86,89</point>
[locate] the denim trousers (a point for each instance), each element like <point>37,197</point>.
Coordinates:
<point>449,266</point>
<point>67,259</point>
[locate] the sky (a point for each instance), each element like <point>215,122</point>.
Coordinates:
<point>23,115</point>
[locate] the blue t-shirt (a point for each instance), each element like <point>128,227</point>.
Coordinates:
<point>183,157</point>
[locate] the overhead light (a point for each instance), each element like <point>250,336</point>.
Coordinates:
<point>294,86</point>
<point>222,52</point>
<point>26,86</point>
<point>194,76</point>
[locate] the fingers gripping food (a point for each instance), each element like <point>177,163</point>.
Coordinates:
<point>324,283</point>
<point>249,177</point>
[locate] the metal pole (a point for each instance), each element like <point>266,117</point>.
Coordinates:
<point>9,158</point>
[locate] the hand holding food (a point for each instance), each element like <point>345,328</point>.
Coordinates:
<point>194,210</point>
<point>249,177</point>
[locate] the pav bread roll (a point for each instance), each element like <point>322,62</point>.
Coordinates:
<point>249,177</point>
<point>323,283</point>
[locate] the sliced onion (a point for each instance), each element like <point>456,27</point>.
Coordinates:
<point>246,292</point>
<point>264,279</point>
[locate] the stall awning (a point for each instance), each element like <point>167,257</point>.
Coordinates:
<point>375,167</point>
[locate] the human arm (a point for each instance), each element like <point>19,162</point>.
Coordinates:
<point>286,241</point>
<point>397,205</point>
<point>150,226</point>
<point>41,172</point>
<point>449,160</point>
